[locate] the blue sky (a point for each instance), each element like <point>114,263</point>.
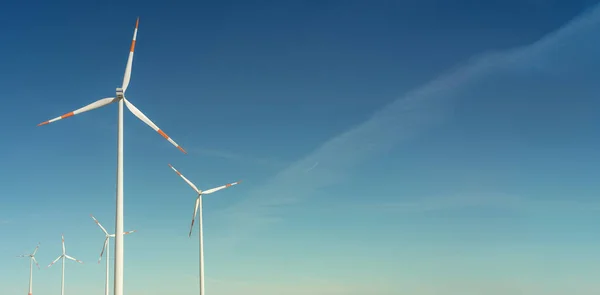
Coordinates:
<point>456,145</point>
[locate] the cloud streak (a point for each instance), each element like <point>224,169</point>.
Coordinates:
<point>313,167</point>
<point>265,162</point>
<point>413,114</point>
<point>505,202</point>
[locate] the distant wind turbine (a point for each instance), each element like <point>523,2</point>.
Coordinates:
<point>63,256</point>
<point>120,98</point>
<point>31,261</point>
<point>198,210</point>
<point>107,247</point>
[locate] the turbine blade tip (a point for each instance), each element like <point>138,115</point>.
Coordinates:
<point>182,150</point>
<point>43,123</point>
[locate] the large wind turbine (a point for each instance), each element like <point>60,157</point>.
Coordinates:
<point>63,256</point>
<point>31,261</point>
<point>198,210</point>
<point>107,247</point>
<point>120,98</point>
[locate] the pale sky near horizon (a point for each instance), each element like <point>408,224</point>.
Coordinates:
<point>396,147</point>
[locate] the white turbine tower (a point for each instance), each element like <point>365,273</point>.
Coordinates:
<point>107,247</point>
<point>63,256</point>
<point>31,261</point>
<point>120,98</point>
<point>198,210</point>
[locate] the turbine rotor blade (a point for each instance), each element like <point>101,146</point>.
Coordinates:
<point>74,259</point>
<point>145,119</point>
<point>89,107</point>
<point>36,249</point>
<point>212,190</point>
<point>127,76</point>
<point>63,244</point>
<point>36,263</point>
<point>125,233</point>
<point>55,260</point>
<point>103,248</point>
<point>194,217</point>
<point>98,223</point>
<point>185,179</point>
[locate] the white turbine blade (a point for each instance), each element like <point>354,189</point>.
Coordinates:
<point>125,233</point>
<point>89,107</point>
<point>98,223</point>
<point>103,248</point>
<point>129,232</point>
<point>36,249</point>
<point>212,190</point>
<point>76,260</point>
<point>185,179</point>
<point>55,260</point>
<point>36,263</point>
<point>127,76</point>
<point>194,217</point>
<point>145,119</point>
<point>63,243</point>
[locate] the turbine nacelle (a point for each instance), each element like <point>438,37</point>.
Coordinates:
<point>120,93</point>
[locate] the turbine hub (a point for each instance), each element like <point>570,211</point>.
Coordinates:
<point>119,93</point>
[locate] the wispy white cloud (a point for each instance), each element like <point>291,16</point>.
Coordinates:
<point>507,202</point>
<point>313,167</point>
<point>414,113</point>
<point>261,161</point>
<point>500,201</point>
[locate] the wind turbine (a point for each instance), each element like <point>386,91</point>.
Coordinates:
<point>198,210</point>
<point>31,261</point>
<point>120,98</point>
<point>107,247</point>
<point>63,256</point>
